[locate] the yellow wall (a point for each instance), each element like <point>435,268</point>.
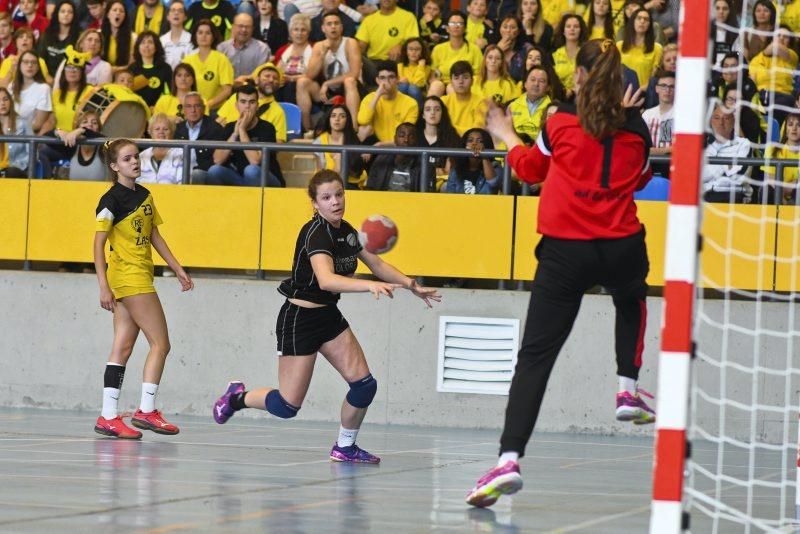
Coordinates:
<point>13,218</point>
<point>439,235</point>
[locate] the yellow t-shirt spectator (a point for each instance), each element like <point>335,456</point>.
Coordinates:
<point>388,114</point>
<point>616,14</point>
<point>384,32</point>
<point>273,114</point>
<point>644,63</point>
<point>212,73</point>
<point>6,67</point>
<point>467,113</point>
<point>112,49</point>
<point>564,67</point>
<point>415,74</point>
<point>475,31</point>
<point>789,172</point>
<point>501,90</point>
<point>791,16</point>
<point>443,57</point>
<point>526,122</point>
<point>773,73</point>
<point>65,111</point>
<point>171,105</point>
<point>553,10</point>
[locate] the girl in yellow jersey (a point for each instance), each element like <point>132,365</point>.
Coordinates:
<point>127,217</point>
<point>570,35</point>
<point>788,149</point>
<point>640,51</point>
<point>414,69</point>
<point>599,20</point>
<point>338,129</point>
<point>494,81</point>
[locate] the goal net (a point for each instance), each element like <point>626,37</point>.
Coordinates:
<point>729,373</point>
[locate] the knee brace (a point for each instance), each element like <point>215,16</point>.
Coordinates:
<point>362,392</point>
<point>277,405</point>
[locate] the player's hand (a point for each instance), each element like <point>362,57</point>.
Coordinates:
<point>383,288</point>
<point>107,299</point>
<point>427,294</point>
<point>632,99</point>
<point>186,281</point>
<point>498,122</point>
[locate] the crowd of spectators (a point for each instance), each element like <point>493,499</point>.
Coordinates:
<point>375,72</point>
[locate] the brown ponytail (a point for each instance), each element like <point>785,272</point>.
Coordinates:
<point>599,100</point>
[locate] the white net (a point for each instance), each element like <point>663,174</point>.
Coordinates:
<point>742,475</point>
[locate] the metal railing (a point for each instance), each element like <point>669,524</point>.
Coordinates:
<point>348,151</point>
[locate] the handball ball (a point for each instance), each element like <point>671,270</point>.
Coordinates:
<point>378,234</point>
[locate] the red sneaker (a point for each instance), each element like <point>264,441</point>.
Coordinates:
<point>116,428</point>
<point>153,421</point>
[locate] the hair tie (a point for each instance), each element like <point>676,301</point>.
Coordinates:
<point>605,44</point>
<point>107,145</point>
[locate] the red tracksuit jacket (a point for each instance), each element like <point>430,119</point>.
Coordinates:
<point>590,183</point>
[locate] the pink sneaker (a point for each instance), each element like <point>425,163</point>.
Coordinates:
<point>633,408</point>
<point>503,480</point>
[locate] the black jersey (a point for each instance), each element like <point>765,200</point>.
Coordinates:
<point>318,236</point>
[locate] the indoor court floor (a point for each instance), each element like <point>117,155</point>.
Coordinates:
<point>267,475</point>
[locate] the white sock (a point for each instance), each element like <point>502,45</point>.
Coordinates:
<point>627,384</point>
<point>347,437</point>
<point>148,397</point>
<point>507,456</point>
<point>110,402</point>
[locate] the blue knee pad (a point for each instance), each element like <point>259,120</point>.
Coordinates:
<point>277,405</point>
<point>362,392</point>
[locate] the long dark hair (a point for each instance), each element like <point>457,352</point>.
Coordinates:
<point>536,26</point>
<point>12,112</point>
<point>629,36</point>
<point>18,81</point>
<point>350,137</point>
<point>446,134</point>
<point>559,40</point>
<point>608,23</point>
<point>599,100</point>
<point>63,85</point>
<point>521,36</point>
<point>51,33</point>
<point>215,37</point>
<point>123,36</point>
<point>158,57</point>
<point>773,15</point>
<point>461,164</point>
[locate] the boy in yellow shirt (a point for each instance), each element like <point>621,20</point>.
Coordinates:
<point>383,110</point>
<point>467,110</point>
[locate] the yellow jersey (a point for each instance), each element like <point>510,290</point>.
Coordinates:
<point>501,90</point>
<point>474,31</point>
<point>443,57</point>
<point>171,105</point>
<point>388,114</point>
<point>384,32</point>
<point>553,10</point>
<point>467,113</point>
<point>128,216</point>
<point>643,63</point>
<point>212,73</point>
<point>65,111</point>
<point>791,16</point>
<point>564,67</point>
<point>273,114</point>
<point>415,74</point>
<point>6,67</point>
<point>789,172</point>
<point>773,73</point>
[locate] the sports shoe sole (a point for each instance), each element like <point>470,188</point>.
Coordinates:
<point>340,460</point>
<point>502,485</point>
<point>106,432</point>
<point>144,425</point>
<point>637,415</point>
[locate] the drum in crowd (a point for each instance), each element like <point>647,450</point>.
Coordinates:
<point>122,112</point>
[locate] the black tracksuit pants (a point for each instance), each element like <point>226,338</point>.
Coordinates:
<point>567,268</point>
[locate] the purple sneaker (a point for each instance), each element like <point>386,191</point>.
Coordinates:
<point>503,480</point>
<point>222,408</point>
<point>634,408</point>
<point>353,454</point>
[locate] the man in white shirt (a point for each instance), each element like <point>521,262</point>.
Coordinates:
<point>726,183</point>
<point>659,120</point>
<point>177,42</point>
<point>244,52</point>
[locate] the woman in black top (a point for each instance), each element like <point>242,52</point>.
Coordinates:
<point>62,31</point>
<point>268,27</point>
<point>152,74</point>
<point>325,259</point>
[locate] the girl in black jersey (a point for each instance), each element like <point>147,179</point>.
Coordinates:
<point>127,217</point>
<point>325,258</point>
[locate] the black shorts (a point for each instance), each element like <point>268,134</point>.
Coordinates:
<point>302,331</point>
